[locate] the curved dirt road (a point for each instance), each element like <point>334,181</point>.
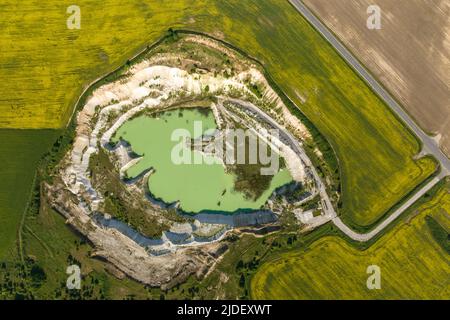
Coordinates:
<point>362,237</point>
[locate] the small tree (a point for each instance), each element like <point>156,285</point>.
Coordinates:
<point>242,281</point>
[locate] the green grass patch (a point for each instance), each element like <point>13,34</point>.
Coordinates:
<point>20,153</point>
<point>439,233</point>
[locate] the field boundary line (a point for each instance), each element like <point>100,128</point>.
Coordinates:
<point>40,240</point>
<point>22,220</point>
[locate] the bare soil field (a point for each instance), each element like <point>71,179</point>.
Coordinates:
<point>410,55</point>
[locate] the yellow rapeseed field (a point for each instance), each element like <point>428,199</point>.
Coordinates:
<point>412,264</point>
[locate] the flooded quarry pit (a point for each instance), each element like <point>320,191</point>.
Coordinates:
<point>151,179</point>
<point>206,186</point>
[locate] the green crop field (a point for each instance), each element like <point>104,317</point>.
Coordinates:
<point>20,151</point>
<point>47,66</point>
<point>413,265</point>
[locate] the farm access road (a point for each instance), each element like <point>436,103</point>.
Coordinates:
<point>430,145</point>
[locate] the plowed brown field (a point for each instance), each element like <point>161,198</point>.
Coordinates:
<point>410,55</point>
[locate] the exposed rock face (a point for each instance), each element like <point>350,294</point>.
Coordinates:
<point>159,271</point>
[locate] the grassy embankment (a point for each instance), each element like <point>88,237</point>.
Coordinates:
<point>413,257</point>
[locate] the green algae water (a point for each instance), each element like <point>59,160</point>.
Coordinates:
<point>197,187</point>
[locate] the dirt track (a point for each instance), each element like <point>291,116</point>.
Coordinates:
<point>410,54</point>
